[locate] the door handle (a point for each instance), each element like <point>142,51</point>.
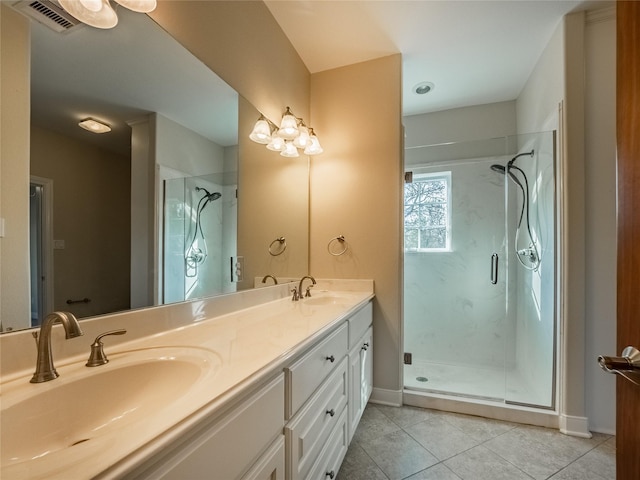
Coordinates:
<point>494,268</point>
<point>627,365</point>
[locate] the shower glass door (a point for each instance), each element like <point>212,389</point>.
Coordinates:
<point>199,237</point>
<point>473,313</point>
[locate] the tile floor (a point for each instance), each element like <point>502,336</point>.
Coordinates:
<point>393,443</point>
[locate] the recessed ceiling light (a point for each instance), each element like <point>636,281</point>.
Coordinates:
<point>423,87</point>
<point>94,126</point>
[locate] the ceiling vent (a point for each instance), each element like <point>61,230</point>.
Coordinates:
<point>47,13</point>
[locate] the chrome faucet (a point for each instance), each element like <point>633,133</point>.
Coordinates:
<point>275,280</point>
<point>45,370</point>
<point>308,292</point>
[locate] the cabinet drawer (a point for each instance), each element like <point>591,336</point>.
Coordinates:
<point>330,459</point>
<point>359,322</point>
<point>304,376</point>
<point>307,433</point>
<point>226,447</point>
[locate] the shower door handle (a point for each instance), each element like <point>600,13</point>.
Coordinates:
<point>494,268</point>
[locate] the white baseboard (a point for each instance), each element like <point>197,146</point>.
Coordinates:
<point>386,397</point>
<point>575,426</point>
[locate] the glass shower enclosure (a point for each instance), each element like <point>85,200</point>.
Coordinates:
<point>480,270</point>
<point>199,236</point>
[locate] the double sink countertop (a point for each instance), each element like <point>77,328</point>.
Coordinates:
<point>105,420</point>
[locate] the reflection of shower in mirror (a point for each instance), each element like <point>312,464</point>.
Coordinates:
<point>197,252</point>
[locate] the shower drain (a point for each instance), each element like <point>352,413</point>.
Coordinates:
<point>422,379</point>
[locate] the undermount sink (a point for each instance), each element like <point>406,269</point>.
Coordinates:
<point>329,298</point>
<point>37,420</point>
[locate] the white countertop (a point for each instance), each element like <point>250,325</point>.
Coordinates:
<point>241,349</point>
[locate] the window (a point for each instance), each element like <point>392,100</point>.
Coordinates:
<point>427,213</point>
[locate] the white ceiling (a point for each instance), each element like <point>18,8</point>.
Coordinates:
<point>475,52</point>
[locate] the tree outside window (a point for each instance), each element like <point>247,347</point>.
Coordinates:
<point>427,213</point>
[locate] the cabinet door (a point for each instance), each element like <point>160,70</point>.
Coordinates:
<point>271,465</point>
<point>366,360</point>
<point>228,446</point>
<point>360,379</point>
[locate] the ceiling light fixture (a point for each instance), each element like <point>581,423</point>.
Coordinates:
<point>291,135</point>
<point>100,13</point>
<point>94,126</point>
<point>423,88</point>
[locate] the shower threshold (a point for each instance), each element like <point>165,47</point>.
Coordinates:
<point>497,410</point>
<point>481,382</point>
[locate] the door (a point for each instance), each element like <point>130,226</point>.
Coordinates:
<point>628,303</point>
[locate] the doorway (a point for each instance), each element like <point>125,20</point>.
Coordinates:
<point>41,247</point>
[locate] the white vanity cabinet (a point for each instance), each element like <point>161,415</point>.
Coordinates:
<point>245,443</point>
<point>296,426</point>
<point>360,365</point>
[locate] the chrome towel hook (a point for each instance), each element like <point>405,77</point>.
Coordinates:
<point>331,247</point>
<point>281,245</point>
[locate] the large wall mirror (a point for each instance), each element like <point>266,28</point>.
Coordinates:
<point>167,205</point>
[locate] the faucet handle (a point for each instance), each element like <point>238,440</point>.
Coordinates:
<point>98,356</point>
<point>308,292</point>
<point>296,295</point>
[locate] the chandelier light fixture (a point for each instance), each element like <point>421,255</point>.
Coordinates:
<point>291,136</point>
<point>100,13</point>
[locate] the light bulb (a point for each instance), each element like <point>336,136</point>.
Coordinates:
<point>302,140</point>
<point>314,147</point>
<point>290,150</point>
<point>288,126</point>
<point>92,5</point>
<point>140,6</point>
<point>261,132</point>
<point>83,10</point>
<point>277,143</point>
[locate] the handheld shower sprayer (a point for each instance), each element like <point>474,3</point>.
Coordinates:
<point>531,252</point>
<point>196,254</point>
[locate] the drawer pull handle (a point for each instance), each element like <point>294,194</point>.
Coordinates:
<point>331,412</point>
<point>330,474</point>
<point>331,359</point>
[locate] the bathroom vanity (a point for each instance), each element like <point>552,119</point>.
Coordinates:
<point>272,391</point>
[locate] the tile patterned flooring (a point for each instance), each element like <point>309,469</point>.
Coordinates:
<point>394,443</point>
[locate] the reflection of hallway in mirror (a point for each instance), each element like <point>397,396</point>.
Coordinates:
<point>40,213</point>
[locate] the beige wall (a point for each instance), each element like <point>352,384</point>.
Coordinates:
<point>243,44</point>
<point>91,215</point>
<point>356,192</point>
<point>600,221</point>
<point>14,167</point>
<point>272,202</point>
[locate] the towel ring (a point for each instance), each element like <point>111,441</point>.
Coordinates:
<point>340,239</point>
<point>282,244</point>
